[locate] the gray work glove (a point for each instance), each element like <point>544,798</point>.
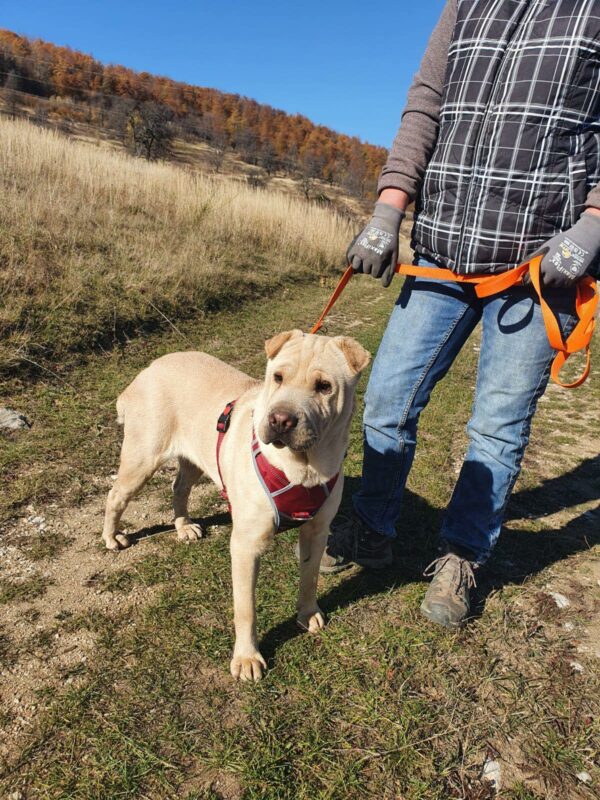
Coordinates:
<point>375,249</point>
<point>569,255</point>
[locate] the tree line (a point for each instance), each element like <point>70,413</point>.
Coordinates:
<point>148,111</point>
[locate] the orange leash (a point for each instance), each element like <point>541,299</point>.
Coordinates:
<point>586,304</point>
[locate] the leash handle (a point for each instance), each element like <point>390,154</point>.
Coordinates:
<point>586,304</point>
<point>580,338</point>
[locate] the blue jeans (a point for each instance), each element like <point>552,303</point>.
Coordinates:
<point>430,323</point>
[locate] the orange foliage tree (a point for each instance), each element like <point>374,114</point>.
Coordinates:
<point>260,134</point>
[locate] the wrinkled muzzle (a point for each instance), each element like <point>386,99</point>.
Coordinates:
<point>285,425</point>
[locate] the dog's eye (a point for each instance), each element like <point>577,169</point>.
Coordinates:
<point>323,387</point>
<point>278,377</point>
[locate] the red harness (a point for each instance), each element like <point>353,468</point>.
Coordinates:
<point>292,504</point>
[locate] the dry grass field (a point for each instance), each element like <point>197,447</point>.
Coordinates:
<point>95,244</point>
<point>114,681</point>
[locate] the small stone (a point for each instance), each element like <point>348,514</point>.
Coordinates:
<point>576,666</point>
<point>37,520</point>
<point>584,777</point>
<point>11,420</point>
<point>560,600</point>
<point>16,796</point>
<point>568,626</point>
<point>491,773</point>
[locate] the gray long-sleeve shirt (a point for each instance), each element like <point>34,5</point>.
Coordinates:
<point>416,138</point>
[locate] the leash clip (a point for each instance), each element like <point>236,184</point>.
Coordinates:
<point>225,418</point>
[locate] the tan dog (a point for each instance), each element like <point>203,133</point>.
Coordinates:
<point>301,414</point>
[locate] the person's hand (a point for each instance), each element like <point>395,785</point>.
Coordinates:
<point>375,249</point>
<point>569,255</point>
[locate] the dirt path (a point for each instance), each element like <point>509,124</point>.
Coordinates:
<point>45,640</point>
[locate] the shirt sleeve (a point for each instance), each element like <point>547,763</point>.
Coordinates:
<point>418,132</point>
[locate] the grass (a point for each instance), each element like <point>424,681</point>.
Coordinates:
<point>95,245</point>
<point>30,589</point>
<point>382,705</point>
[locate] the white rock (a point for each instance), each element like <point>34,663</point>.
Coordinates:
<point>491,773</point>
<point>11,420</point>
<point>576,666</point>
<point>568,626</point>
<point>584,777</point>
<point>560,600</point>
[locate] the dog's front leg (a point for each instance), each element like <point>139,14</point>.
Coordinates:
<point>247,663</point>
<point>313,538</point>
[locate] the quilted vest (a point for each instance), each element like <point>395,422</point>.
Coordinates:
<point>519,139</point>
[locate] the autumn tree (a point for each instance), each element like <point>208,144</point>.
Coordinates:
<point>267,158</point>
<point>12,87</point>
<point>107,95</point>
<point>149,131</point>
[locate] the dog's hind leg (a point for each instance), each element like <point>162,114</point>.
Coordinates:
<point>133,474</point>
<point>189,474</point>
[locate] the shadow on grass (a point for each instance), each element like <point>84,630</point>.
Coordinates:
<point>220,518</point>
<point>517,556</point>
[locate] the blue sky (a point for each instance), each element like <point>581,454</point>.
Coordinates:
<point>343,64</point>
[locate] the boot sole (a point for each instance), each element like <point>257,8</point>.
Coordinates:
<point>432,617</point>
<point>375,566</point>
<point>372,565</point>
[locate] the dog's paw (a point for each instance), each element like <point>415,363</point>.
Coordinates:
<point>118,542</point>
<point>248,668</point>
<point>312,621</point>
<point>190,532</point>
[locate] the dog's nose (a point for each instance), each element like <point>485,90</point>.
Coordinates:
<point>282,421</point>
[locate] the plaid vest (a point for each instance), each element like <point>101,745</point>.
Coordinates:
<point>519,140</point>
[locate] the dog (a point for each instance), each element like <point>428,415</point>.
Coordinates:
<point>297,420</point>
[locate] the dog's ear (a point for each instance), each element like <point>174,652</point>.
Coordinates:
<point>356,355</point>
<point>274,345</point>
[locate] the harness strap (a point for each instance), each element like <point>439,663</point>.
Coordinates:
<point>586,303</point>
<point>222,427</point>
<point>275,482</point>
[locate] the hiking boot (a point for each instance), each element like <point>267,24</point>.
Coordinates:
<point>447,600</point>
<point>352,542</point>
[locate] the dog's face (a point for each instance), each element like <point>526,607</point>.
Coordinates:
<point>309,386</point>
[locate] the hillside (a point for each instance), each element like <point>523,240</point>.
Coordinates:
<point>61,87</point>
<point>95,244</point>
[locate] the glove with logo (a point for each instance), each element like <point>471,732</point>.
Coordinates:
<point>375,249</point>
<point>569,255</point>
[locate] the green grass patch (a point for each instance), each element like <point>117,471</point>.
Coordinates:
<point>12,591</point>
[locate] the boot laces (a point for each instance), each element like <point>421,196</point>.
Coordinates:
<point>462,574</point>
